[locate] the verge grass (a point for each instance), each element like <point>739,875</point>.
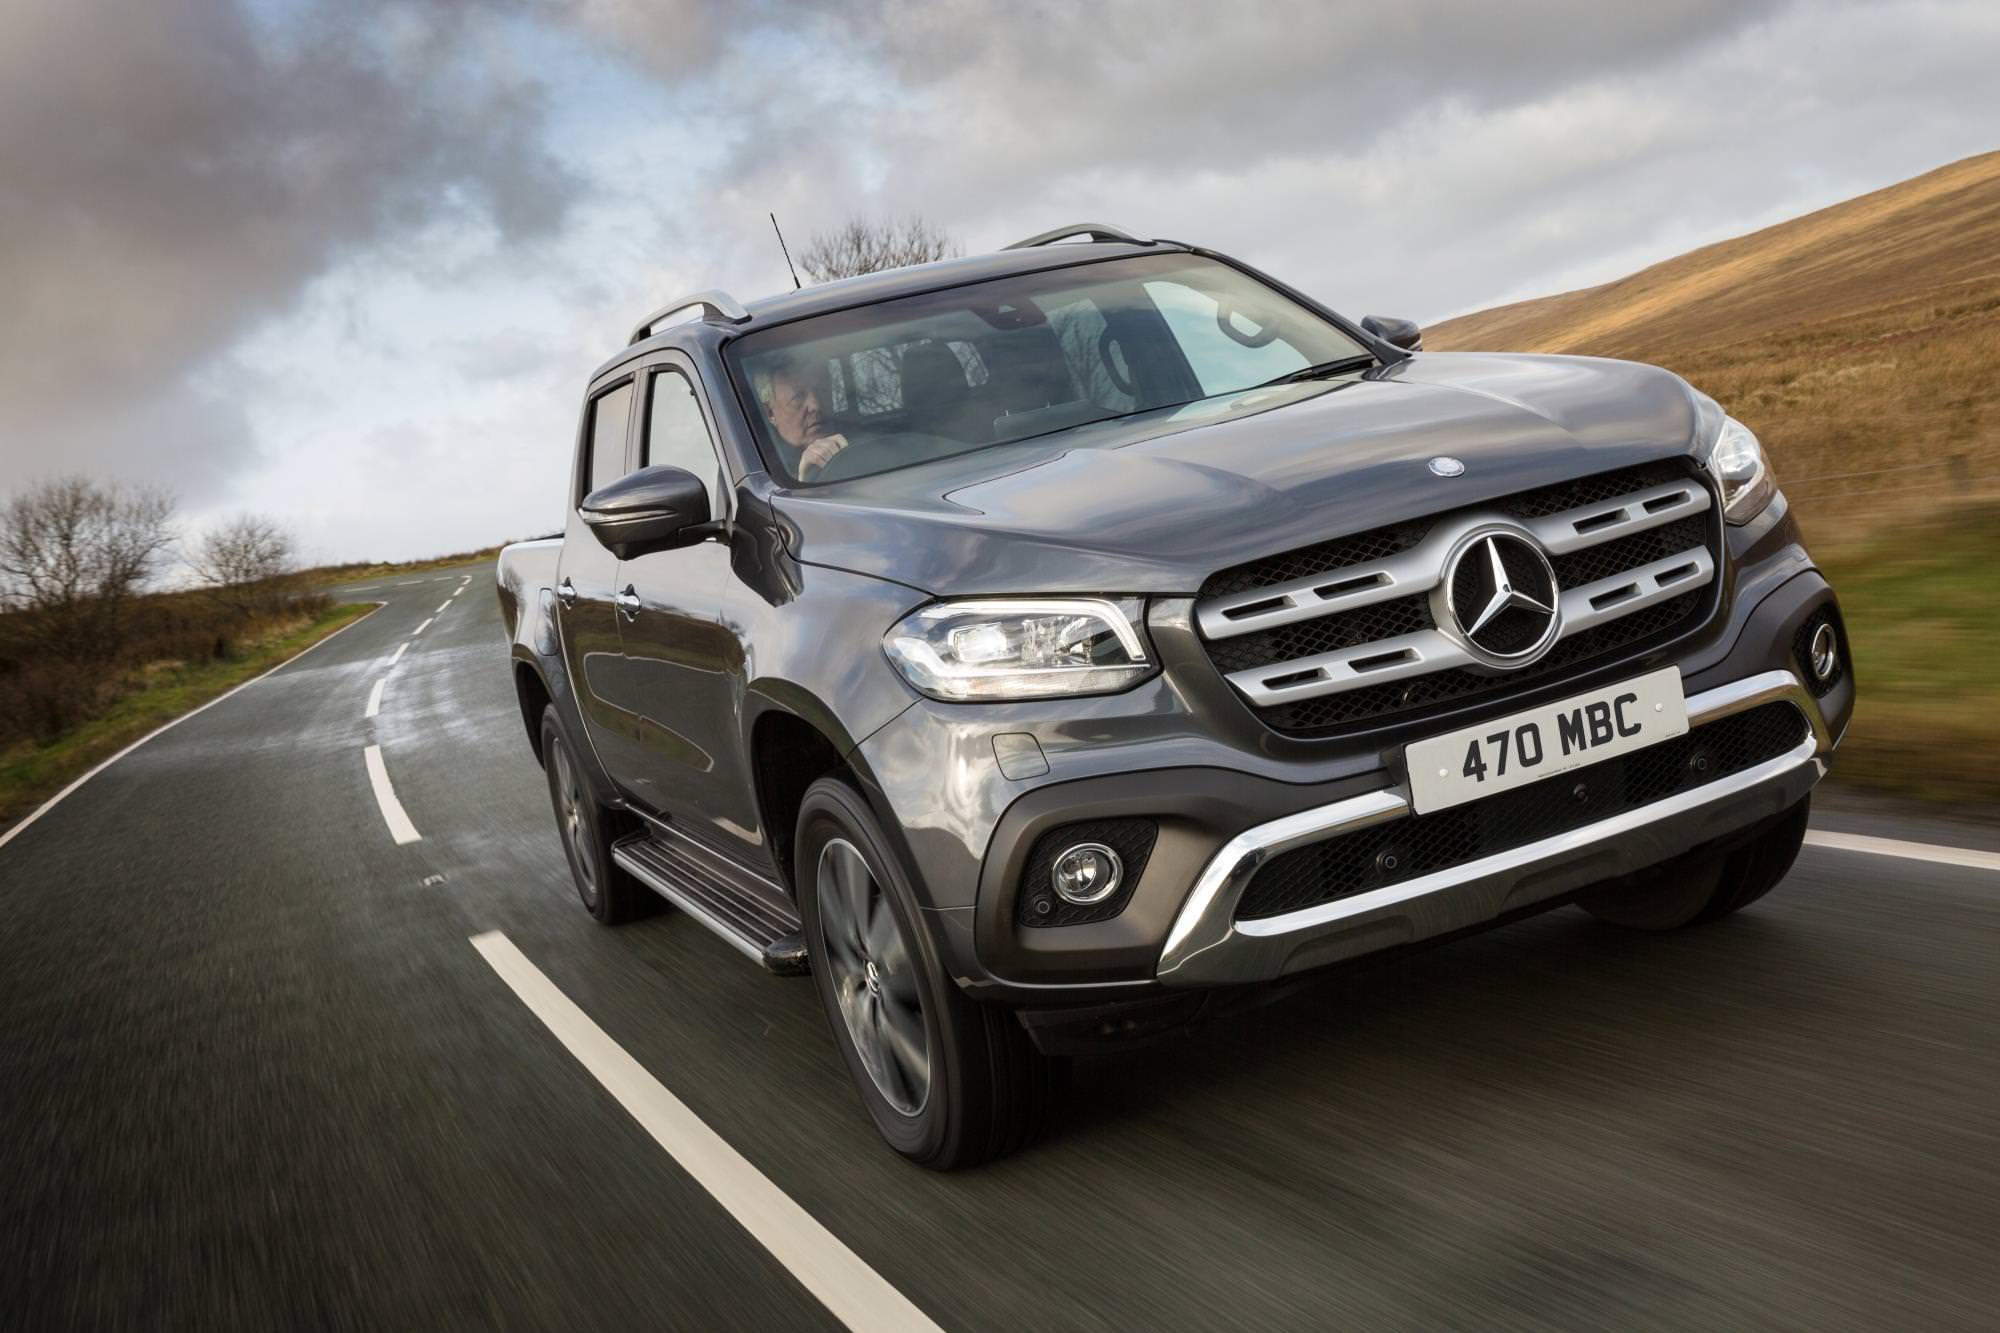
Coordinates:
<point>1921,613</point>
<point>30,773</point>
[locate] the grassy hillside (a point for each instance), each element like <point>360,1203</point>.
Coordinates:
<point>1862,343</point>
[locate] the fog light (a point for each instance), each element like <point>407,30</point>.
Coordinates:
<point>1825,653</point>
<point>1087,873</point>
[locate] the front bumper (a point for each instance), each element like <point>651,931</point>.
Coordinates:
<point>1225,805</point>
<point>1209,946</point>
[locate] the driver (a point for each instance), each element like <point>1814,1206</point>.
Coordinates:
<point>791,405</point>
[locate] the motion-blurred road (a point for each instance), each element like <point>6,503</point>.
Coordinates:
<point>257,1075</point>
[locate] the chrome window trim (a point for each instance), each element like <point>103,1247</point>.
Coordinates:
<point>1207,921</point>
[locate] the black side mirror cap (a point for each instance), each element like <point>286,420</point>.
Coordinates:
<point>1402,333</point>
<point>654,509</point>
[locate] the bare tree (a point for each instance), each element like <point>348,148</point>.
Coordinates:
<point>242,559</point>
<point>73,554</point>
<point>862,246</point>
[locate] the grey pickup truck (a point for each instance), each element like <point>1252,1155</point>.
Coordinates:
<point>1043,650</point>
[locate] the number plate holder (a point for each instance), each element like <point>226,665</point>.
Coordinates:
<point>1573,733</point>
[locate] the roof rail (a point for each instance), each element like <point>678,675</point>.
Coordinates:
<point>718,307</point>
<point>1096,231</point>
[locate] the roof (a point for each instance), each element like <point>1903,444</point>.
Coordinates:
<point>872,288</point>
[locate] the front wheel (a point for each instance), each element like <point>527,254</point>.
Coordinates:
<point>948,1082</point>
<point>1703,886</point>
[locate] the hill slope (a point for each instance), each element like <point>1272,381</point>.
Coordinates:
<point>1859,339</point>
<point>1862,342</point>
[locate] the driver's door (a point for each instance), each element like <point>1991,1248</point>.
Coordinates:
<point>677,681</point>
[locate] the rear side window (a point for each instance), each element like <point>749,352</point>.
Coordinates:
<point>676,434</point>
<point>609,415</point>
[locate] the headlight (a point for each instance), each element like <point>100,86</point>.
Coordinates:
<point>1738,462</point>
<point>1016,649</point>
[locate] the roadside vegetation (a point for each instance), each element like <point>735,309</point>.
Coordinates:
<point>364,570</point>
<point>92,656</point>
<point>1925,624</point>
<point>1860,344</point>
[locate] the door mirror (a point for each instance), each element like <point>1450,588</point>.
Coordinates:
<point>653,509</point>
<point>1401,332</point>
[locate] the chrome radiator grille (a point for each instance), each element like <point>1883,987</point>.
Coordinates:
<point>1357,630</point>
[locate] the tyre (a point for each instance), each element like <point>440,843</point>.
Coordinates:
<point>587,830</point>
<point>948,1082</point>
<point>1703,885</point>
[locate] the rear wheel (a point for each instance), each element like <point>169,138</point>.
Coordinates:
<point>587,828</point>
<point>1703,886</point>
<point>948,1082</point>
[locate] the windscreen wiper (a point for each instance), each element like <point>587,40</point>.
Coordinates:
<point>1319,372</point>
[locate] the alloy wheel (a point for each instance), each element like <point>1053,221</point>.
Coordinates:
<point>875,983</point>
<point>575,828</point>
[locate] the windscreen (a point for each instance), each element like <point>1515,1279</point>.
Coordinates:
<point>868,390</point>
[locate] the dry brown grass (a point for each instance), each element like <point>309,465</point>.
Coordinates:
<point>1858,339</point>
<point>1861,343</point>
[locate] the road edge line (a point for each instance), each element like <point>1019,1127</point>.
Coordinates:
<point>1934,852</point>
<point>841,1280</point>
<point>55,800</point>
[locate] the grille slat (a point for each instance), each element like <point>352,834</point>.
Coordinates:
<point>1279,660</point>
<point>1357,862</point>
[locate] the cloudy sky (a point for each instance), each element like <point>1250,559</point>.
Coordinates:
<point>347,263</point>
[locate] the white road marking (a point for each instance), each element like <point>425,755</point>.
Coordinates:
<point>421,628</point>
<point>455,592</point>
<point>401,648</point>
<point>1913,851</point>
<point>375,697</point>
<point>409,583</point>
<point>55,800</point>
<point>443,607</point>
<point>365,587</point>
<point>853,1292</point>
<point>400,827</point>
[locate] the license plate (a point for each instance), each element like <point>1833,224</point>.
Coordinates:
<point>1545,742</point>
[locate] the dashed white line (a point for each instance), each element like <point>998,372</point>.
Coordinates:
<point>421,628</point>
<point>375,697</point>
<point>455,592</point>
<point>393,814</point>
<point>409,583</point>
<point>401,648</point>
<point>1913,851</point>
<point>443,606</point>
<point>55,800</point>
<point>853,1292</point>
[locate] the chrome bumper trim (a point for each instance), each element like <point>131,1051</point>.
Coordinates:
<point>1208,946</point>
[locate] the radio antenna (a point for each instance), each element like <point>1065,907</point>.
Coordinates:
<point>796,284</point>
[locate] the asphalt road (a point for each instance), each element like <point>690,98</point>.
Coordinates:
<point>256,1075</point>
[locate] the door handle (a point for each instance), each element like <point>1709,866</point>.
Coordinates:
<point>628,602</point>
<point>566,593</point>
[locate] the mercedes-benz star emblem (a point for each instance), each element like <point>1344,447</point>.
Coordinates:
<point>1445,466</point>
<point>1501,592</point>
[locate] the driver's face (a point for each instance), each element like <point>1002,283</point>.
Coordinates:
<point>794,408</point>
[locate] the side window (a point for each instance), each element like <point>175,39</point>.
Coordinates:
<point>675,432</point>
<point>1224,348</point>
<point>609,414</point>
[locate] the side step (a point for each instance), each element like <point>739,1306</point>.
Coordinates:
<point>754,924</point>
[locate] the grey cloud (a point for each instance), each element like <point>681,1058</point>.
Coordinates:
<point>177,172</point>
